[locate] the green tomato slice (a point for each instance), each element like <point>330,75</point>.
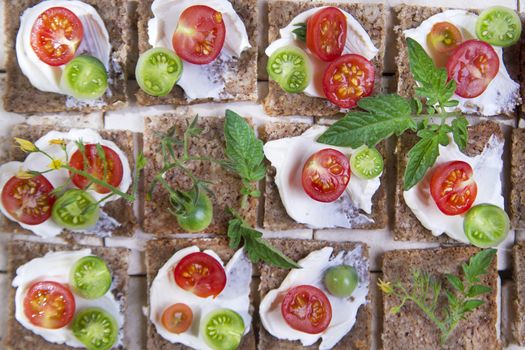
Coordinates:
<point>289,66</point>
<point>75,209</point>
<point>367,163</point>
<point>341,281</point>
<point>499,26</point>
<point>90,277</point>
<point>157,71</point>
<point>95,328</point>
<point>486,225</point>
<point>85,77</point>
<point>222,329</point>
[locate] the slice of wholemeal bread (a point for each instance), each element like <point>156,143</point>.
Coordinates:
<point>359,337</point>
<point>20,96</point>
<point>411,16</point>
<point>275,216</point>
<point>517,179</point>
<point>158,252</point>
<point>120,209</point>
<point>411,329</point>
<point>406,226</point>
<point>518,271</point>
<point>280,12</point>
<point>225,185</point>
<point>21,252</point>
<point>240,74</point>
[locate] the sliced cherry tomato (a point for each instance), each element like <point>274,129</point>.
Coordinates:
<point>444,37</point>
<point>499,26</point>
<point>200,274</point>
<point>326,33</point>
<point>348,79</point>
<point>200,34</point>
<point>56,35</point>
<point>473,65</point>
<point>486,225</point>
<point>28,200</point>
<point>222,329</point>
<point>325,175</point>
<point>49,305</point>
<point>95,328</point>
<point>177,318</point>
<point>307,309</point>
<point>92,162</point>
<point>453,187</point>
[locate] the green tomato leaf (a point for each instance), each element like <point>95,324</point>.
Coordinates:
<point>478,289</point>
<point>420,158</point>
<point>470,305</point>
<point>300,31</point>
<point>460,132</point>
<point>478,265</point>
<point>455,281</point>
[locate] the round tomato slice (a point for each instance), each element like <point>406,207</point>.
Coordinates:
<point>109,170</point>
<point>56,35</point>
<point>200,34</point>
<point>49,305</point>
<point>473,65</point>
<point>28,200</point>
<point>177,318</point>
<point>326,33</point>
<point>453,187</point>
<point>200,274</point>
<point>348,79</point>
<point>307,309</point>
<point>325,175</point>
<point>444,37</point>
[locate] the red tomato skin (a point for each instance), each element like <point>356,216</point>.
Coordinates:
<point>336,22</point>
<point>43,200</point>
<point>338,173</point>
<point>207,275</point>
<point>49,291</point>
<point>451,171</point>
<point>197,24</point>
<point>182,310</point>
<point>344,66</point>
<point>464,67</point>
<point>41,34</point>
<point>313,304</point>
<point>95,167</point>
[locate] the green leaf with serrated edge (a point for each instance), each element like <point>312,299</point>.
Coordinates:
<point>478,289</point>
<point>420,158</point>
<point>234,234</point>
<point>455,281</point>
<point>300,31</point>
<point>470,305</point>
<point>460,132</point>
<point>421,65</point>
<point>384,116</point>
<point>478,265</point>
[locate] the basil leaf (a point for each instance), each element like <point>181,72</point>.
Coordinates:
<point>460,132</point>
<point>420,158</point>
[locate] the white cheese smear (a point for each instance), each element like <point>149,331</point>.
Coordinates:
<point>487,174</point>
<point>56,266</point>
<point>288,156</point>
<point>502,94</point>
<point>357,42</point>
<point>236,296</point>
<point>344,310</point>
<point>199,81</point>
<point>39,162</point>
<point>95,43</point>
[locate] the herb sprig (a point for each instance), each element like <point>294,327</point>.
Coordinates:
<point>383,116</point>
<point>461,294</point>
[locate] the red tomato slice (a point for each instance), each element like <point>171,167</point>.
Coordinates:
<point>453,187</point>
<point>56,35</point>
<point>49,305</point>
<point>307,309</point>
<point>200,34</point>
<point>177,318</point>
<point>200,274</point>
<point>473,65</point>
<point>325,175</point>
<point>326,33</point>
<point>28,200</point>
<point>348,79</point>
<point>95,167</point>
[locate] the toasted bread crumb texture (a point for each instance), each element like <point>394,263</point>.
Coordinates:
<point>411,329</point>
<point>518,261</point>
<point>517,179</point>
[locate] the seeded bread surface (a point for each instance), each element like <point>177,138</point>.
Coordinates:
<point>518,266</point>
<point>517,179</point>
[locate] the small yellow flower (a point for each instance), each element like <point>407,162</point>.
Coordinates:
<point>386,287</point>
<point>56,164</point>
<point>23,174</point>
<point>26,146</point>
<point>59,142</point>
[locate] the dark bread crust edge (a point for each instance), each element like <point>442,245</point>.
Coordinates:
<point>21,252</point>
<point>517,179</point>
<point>518,275</point>
<point>158,252</point>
